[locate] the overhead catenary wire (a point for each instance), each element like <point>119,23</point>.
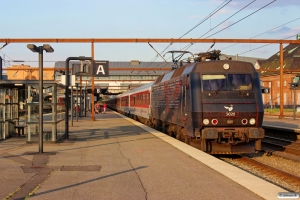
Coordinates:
<point>202,21</point>
<point>222,5</point>
<point>228,18</point>
<point>264,45</point>
<point>188,46</point>
<point>265,32</point>
<point>242,18</point>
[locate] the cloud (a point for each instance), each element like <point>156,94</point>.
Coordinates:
<point>284,31</point>
<point>280,30</point>
<point>238,4</point>
<point>225,25</point>
<point>278,3</point>
<point>195,16</point>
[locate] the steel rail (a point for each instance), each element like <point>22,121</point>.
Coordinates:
<point>287,146</point>
<point>285,176</point>
<point>281,139</point>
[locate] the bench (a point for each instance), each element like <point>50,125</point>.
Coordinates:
<point>20,128</point>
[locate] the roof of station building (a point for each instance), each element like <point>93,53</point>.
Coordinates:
<point>129,68</point>
<point>291,59</point>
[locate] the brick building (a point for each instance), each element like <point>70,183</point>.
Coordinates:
<point>270,76</point>
<point>25,72</point>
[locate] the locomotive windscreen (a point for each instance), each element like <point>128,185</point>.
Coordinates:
<point>240,82</point>
<point>211,82</point>
<point>214,82</point>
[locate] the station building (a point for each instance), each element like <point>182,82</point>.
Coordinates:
<point>269,70</point>
<point>122,75</point>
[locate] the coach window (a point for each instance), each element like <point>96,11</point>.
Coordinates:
<point>147,101</point>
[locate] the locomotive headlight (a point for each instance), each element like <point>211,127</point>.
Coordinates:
<point>252,121</point>
<point>205,121</point>
<point>226,66</point>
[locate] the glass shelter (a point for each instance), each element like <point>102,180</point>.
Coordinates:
<point>19,109</point>
<point>8,111</point>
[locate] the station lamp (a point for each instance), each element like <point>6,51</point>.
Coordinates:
<point>36,49</point>
<point>40,50</point>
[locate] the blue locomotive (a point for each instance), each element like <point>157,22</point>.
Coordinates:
<point>215,106</point>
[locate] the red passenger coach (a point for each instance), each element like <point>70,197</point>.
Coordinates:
<point>133,103</point>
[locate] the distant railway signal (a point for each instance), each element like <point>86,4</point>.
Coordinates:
<point>294,85</point>
<point>265,90</point>
<point>296,82</point>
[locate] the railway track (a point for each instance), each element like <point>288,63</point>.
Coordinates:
<point>271,171</point>
<point>282,177</point>
<point>279,144</point>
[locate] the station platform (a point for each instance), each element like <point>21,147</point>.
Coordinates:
<point>286,123</point>
<point>118,158</point>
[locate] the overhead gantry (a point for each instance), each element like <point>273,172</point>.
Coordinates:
<point>158,40</point>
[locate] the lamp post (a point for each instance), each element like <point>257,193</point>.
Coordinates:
<point>77,103</point>
<point>39,50</point>
<point>67,91</point>
<point>0,68</point>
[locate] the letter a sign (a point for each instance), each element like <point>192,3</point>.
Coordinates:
<point>100,68</point>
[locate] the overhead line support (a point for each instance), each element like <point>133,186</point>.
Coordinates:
<point>143,40</point>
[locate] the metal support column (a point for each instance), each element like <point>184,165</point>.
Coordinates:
<point>295,109</point>
<point>72,106</point>
<point>281,82</point>
<point>93,80</point>
<point>0,68</point>
<point>77,103</point>
<point>41,99</point>
<point>67,92</point>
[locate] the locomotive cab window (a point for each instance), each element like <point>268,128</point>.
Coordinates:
<point>212,82</point>
<point>240,81</point>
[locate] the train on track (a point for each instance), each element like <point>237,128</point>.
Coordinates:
<point>214,105</point>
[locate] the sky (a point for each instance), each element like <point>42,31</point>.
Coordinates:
<point>144,19</point>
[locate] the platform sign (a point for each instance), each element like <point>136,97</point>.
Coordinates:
<point>101,68</point>
<point>298,37</point>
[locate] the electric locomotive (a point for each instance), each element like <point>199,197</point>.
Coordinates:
<point>215,106</point>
